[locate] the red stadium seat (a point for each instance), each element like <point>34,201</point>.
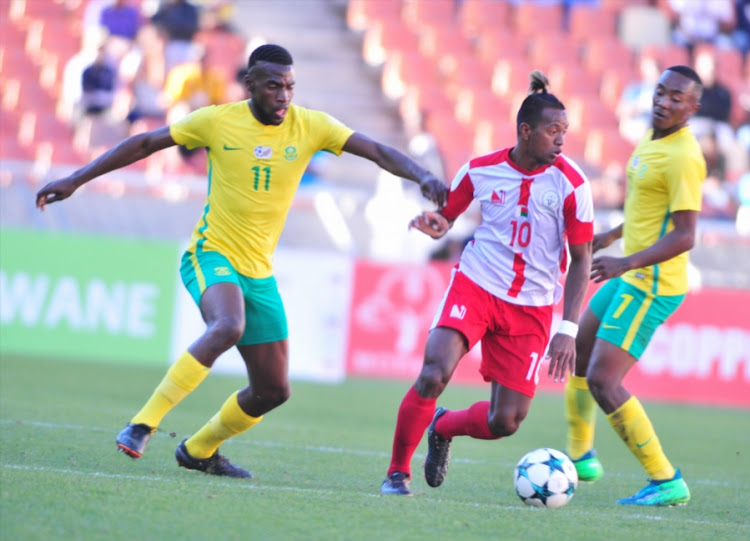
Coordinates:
<point>600,53</point>
<point>552,48</point>
<point>532,19</point>
<point>510,75</point>
<point>494,44</point>
<point>361,14</point>
<point>417,13</point>
<point>385,37</point>
<point>586,21</point>
<point>475,17</point>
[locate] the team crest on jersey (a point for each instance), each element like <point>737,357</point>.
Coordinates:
<point>262,152</point>
<point>551,199</point>
<point>290,153</point>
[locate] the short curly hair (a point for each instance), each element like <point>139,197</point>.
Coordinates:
<point>276,54</point>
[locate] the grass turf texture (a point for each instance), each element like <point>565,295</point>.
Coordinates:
<point>318,463</point>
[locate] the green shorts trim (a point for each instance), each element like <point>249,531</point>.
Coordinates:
<point>629,316</point>
<point>265,317</point>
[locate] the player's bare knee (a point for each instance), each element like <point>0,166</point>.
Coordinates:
<point>226,332</point>
<point>276,395</point>
<point>432,381</point>
<point>503,425</point>
<point>600,387</point>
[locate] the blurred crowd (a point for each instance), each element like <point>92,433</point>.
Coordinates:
<point>708,31</point>
<point>144,63</point>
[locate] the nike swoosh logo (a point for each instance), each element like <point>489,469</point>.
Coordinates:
<point>639,445</point>
<point>231,148</point>
<point>604,325</point>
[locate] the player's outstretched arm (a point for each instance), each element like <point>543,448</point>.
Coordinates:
<point>562,347</point>
<point>129,151</point>
<point>398,164</point>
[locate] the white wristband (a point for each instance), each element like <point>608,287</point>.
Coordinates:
<point>568,327</point>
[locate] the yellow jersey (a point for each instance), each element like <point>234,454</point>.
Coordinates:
<point>254,171</point>
<point>663,176</point>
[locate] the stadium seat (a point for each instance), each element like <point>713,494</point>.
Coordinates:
<point>553,48</point>
<point>417,13</point>
<point>492,135</point>
<point>475,17</point>
<point>585,114</point>
<point>569,79</point>
<point>669,55</point>
<point>613,82</point>
<point>464,71</point>
<point>475,103</point>
<point>361,14</point>
<point>454,140</point>
<point>420,101</point>
<point>493,44</point>
<point>532,19</point>
<point>600,53</point>
<point>510,75</point>
<point>586,20</point>
<point>439,39</point>
<point>606,146</point>
<point>12,149</point>
<point>404,68</point>
<point>384,37</point>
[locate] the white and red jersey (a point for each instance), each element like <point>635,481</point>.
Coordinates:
<point>518,252</point>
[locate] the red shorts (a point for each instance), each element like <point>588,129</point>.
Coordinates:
<point>514,337</point>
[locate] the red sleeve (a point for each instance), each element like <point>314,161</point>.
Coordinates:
<point>460,196</point>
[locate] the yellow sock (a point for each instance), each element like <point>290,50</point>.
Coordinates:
<point>227,423</point>
<point>635,429</point>
<point>181,379</point>
<point>580,409</point>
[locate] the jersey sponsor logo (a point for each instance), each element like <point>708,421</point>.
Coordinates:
<point>262,152</point>
<point>290,153</point>
<point>498,197</point>
<point>227,147</point>
<point>458,312</point>
<point>221,271</point>
<point>551,199</point>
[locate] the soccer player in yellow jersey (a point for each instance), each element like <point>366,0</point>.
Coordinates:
<point>645,286</point>
<point>257,152</point>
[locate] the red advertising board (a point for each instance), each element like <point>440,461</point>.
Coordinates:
<point>700,355</point>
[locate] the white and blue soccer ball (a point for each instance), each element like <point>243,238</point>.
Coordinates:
<point>545,478</point>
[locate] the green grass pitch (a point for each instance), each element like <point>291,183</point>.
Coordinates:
<point>318,463</point>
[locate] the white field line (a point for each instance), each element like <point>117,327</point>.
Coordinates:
<point>213,482</point>
<point>325,449</point>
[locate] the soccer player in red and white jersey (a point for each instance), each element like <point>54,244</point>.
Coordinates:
<point>535,203</point>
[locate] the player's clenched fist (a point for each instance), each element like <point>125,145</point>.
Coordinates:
<point>431,223</point>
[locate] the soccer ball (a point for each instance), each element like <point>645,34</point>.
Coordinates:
<point>545,478</point>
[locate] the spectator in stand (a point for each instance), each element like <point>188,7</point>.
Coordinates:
<point>634,107</point>
<point>98,85</point>
<point>179,20</point>
<point>702,21</point>
<point>718,200</point>
<point>741,32</point>
<point>196,83</point>
<point>121,19</point>
<point>715,106</point>
<point>143,70</point>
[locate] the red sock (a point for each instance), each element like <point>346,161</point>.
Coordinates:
<point>469,422</point>
<point>414,416</point>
